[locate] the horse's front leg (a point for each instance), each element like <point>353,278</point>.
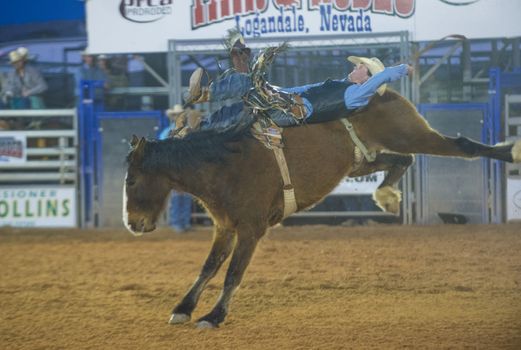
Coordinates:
<point>242,253</point>
<point>223,241</point>
<point>386,196</point>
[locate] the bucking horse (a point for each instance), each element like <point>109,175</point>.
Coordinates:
<point>237,179</point>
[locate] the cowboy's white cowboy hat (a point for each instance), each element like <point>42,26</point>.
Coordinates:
<point>23,51</point>
<point>15,56</point>
<point>373,64</point>
<point>176,110</point>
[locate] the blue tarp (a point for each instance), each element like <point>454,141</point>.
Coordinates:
<point>33,11</point>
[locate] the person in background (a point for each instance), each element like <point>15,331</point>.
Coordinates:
<point>180,203</point>
<point>116,78</point>
<point>25,84</point>
<point>88,71</point>
<point>135,71</point>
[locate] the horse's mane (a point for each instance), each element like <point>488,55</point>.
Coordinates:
<point>206,146</point>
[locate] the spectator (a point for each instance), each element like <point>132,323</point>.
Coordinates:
<point>180,203</point>
<point>116,78</point>
<point>88,71</point>
<point>25,84</point>
<point>136,71</point>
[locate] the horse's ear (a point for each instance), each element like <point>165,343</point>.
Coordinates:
<point>139,148</point>
<point>134,141</point>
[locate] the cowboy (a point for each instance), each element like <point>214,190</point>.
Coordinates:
<point>327,100</point>
<point>25,83</point>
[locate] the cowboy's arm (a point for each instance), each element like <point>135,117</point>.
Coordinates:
<point>358,95</point>
<point>38,84</point>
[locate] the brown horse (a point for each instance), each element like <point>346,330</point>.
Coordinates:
<point>238,181</point>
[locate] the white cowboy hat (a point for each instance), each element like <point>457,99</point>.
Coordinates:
<point>176,110</point>
<point>23,51</point>
<point>373,64</point>
<point>15,56</point>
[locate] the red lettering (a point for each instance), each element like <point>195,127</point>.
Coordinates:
<point>237,7</point>
<point>287,3</point>
<point>212,11</point>
<point>361,4</point>
<point>382,6</point>
<point>314,4</point>
<point>225,8</point>
<point>342,4</point>
<point>404,8</point>
<point>198,13</point>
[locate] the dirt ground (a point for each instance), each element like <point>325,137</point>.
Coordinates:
<point>308,287</point>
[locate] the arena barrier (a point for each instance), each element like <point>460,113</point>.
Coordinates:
<point>39,168</point>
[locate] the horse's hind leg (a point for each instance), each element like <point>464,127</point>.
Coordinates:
<point>222,246</point>
<point>428,141</point>
<point>247,238</point>
<point>387,196</point>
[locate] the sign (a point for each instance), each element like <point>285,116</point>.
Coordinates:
<point>120,26</point>
<point>38,206</point>
<point>12,148</point>
<point>361,185</point>
<point>513,199</point>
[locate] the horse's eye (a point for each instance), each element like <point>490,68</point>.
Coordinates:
<point>131,182</point>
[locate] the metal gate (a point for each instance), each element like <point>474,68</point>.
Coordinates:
<point>449,185</point>
<point>105,143</point>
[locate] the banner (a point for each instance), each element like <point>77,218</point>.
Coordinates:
<point>364,185</point>
<point>12,148</point>
<point>38,206</point>
<point>121,26</point>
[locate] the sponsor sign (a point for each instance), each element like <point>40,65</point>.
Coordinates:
<point>513,199</point>
<point>362,185</point>
<point>118,26</point>
<point>12,148</point>
<point>38,206</point>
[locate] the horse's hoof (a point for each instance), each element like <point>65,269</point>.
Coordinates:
<point>179,318</point>
<point>388,199</point>
<point>206,325</point>
<point>516,152</point>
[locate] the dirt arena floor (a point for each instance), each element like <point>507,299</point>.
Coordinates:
<point>308,287</point>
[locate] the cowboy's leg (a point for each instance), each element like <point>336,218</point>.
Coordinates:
<point>231,86</point>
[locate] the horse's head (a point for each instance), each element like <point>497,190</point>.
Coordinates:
<point>144,193</point>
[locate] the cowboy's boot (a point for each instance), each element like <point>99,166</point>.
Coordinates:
<point>196,93</point>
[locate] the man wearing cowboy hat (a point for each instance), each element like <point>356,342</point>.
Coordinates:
<point>326,100</point>
<point>25,83</point>
<point>182,121</point>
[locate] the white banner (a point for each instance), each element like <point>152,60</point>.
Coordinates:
<point>120,26</point>
<point>12,148</point>
<point>360,185</point>
<point>513,199</point>
<point>38,206</point>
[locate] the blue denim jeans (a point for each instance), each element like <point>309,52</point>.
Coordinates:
<point>234,85</point>
<point>180,211</point>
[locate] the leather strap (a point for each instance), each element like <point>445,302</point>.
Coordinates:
<point>290,202</point>
<point>370,156</point>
